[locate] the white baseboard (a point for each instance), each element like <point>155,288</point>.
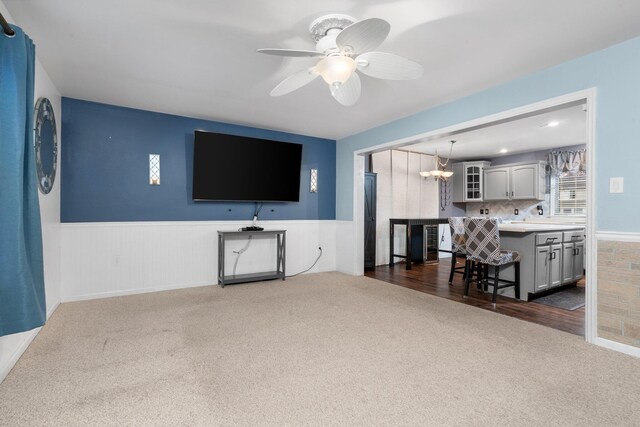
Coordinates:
<point>27,339</point>
<point>616,346</point>
<point>53,308</point>
<point>11,362</point>
<point>110,294</point>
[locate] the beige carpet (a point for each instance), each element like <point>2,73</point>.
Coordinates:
<point>322,349</point>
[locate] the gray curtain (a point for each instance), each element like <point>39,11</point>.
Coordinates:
<point>567,163</point>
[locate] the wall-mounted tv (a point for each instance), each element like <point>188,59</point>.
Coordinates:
<point>237,168</point>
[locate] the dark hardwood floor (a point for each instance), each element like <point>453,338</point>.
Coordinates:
<point>433,279</point>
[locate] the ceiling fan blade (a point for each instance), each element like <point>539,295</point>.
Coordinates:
<point>363,36</point>
<point>348,93</point>
<point>388,66</point>
<point>295,81</point>
<point>291,52</point>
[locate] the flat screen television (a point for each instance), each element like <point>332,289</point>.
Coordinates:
<point>238,168</point>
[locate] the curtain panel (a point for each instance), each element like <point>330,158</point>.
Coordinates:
<point>567,163</point>
<point>22,297</point>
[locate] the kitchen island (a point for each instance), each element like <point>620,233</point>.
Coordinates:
<point>552,256</point>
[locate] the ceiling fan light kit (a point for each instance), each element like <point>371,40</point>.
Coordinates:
<point>336,69</point>
<point>345,46</point>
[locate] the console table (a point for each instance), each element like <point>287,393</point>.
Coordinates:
<point>408,222</point>
<point>223,236</point>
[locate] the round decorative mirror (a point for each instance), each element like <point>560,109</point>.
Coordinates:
<point>46,145</point>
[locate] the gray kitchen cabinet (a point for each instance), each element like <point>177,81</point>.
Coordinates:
<point>549,256</point>
<point>525,181</point>
<point>555,266</point>
<point>518,181</point>
<point>496,184</point>
<point>458,183</point>
<point>578,265</point>
<point>572,256</point>
<point>544,265</point>
<point>468,181</point>
<point>542,268</point>
<point>548,267</point>
<point>568,254</point>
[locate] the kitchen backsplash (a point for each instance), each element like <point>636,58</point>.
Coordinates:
<point>505,209</point>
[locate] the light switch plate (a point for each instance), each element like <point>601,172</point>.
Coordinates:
<point>616,184</point>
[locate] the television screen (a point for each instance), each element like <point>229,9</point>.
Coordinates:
<point>237,168</point>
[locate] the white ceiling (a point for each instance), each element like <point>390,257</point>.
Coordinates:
<point>517,136</point>
<point>197,57</point>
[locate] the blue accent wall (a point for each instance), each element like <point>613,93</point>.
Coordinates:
<point>614,72</point>
<point>105,168</point>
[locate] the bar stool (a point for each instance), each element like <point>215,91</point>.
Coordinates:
<point>458,247</point>
<point>483,246</point>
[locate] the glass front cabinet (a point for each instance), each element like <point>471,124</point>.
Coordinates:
<point>468,181</point>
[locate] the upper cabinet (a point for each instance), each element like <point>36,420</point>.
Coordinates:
<point>515,182</point>
<point>497,183</point>
<point>468,181</point>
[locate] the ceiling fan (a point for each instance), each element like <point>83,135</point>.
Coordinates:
<point>345,46</point>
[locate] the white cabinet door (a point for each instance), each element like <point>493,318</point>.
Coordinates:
<point>524,182</point>
<point>496,184</point>
<point>578,261</point>
<point>542,268</point>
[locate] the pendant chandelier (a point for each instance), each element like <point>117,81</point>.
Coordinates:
<point>439,173</point>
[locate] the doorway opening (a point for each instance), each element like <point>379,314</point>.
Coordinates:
<point>559,295</point>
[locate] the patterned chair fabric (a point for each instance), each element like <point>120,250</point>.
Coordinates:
<point>458,238</point>
<point>483,242</point>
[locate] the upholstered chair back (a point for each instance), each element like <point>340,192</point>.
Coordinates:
<point>458,239</point>
<point>482,239</point>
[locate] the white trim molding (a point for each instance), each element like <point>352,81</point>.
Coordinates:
<point>616,346</point>
<point>135,291</point>
<point>618,236</point>
<point>26,340</point>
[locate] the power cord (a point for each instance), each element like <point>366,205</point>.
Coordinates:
<point>240,252</point>
<point>312,265</point>
<point>256,212</point>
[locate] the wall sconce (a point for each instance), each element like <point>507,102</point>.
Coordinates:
<point>154,169</point>
<point>313,183</point>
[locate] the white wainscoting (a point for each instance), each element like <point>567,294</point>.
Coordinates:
<point>109,259</point>
<point>345,248</point>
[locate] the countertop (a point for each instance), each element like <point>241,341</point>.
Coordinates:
<point>523,227</point>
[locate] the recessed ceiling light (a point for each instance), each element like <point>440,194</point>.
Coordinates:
<point>553,124</point>
<point>504,150</point>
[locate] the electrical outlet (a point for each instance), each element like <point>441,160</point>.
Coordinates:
<point>515,211</point>
<point>481,211</point>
